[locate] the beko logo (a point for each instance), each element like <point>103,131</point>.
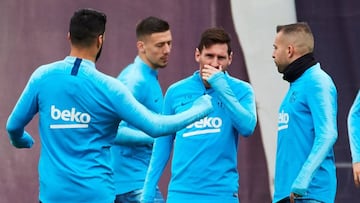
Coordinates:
<point>74,119</point>
<point>283,120</point>
<point>205,126</point>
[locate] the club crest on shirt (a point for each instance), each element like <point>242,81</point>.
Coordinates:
<point>292,97</point>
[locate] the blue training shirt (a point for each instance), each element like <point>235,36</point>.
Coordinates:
<point>79,112</point>
<point>307,131</point>
<point>354,129</point>
<point>130,161</point>
<point>204,162</point>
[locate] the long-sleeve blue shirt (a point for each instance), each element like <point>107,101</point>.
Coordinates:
<point>354,129</point>
<point>130,161</point>
<point>307,131</point>
<point>79,112</point>
<point>204,162</point>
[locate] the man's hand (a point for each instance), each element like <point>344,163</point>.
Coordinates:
<point>356,172</point>
<point>293,196</point>
<point>207,71</point>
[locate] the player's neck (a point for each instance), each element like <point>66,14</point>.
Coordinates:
<point>84,53</point>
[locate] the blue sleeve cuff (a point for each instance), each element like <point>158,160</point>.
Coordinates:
<point>25,141</point>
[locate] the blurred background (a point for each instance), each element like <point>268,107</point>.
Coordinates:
<point>33,32</point>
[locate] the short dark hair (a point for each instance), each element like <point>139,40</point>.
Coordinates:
<point>213,36</point>
<point>85,26</point>
<point>295,27</point>
<point>151,25</point>
<point>303,34</point>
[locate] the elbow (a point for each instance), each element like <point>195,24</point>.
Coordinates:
<point>157,133</point>
<point>333,135</point>
<point>248,132</point>
<point>249,128</point>
<point>154,133</point>
<point>334,138</point>
<point>329,138</point>
<point>160,130</point>
<point>11,129</point>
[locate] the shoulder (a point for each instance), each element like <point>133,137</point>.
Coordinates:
<point>237,84</point>
<point>46,69</point>
<point>317,78</point>
<point>132,74</point>
<point>108,81</point>
<point>191,85</point>
<point>183,84</point>
<point>318,86</point>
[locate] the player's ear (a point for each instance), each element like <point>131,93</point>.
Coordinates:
<point>197,55</point>
<point>100,41</point>
<point>230,58</point>
<point>290,50</point>
<point>140,46</point>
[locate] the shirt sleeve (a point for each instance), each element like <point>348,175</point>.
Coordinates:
<point>322,101</point>
<point>242,110</point>
<point>156,125</point>
<point>128,135</point>
<point>24,110</point>
<point>159,158</point>
<point>354,130</point>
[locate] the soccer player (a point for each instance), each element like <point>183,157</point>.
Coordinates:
<point>131,156</point>
<point>79,112</point>
<point>204,161</point>
<point>307,128</point>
